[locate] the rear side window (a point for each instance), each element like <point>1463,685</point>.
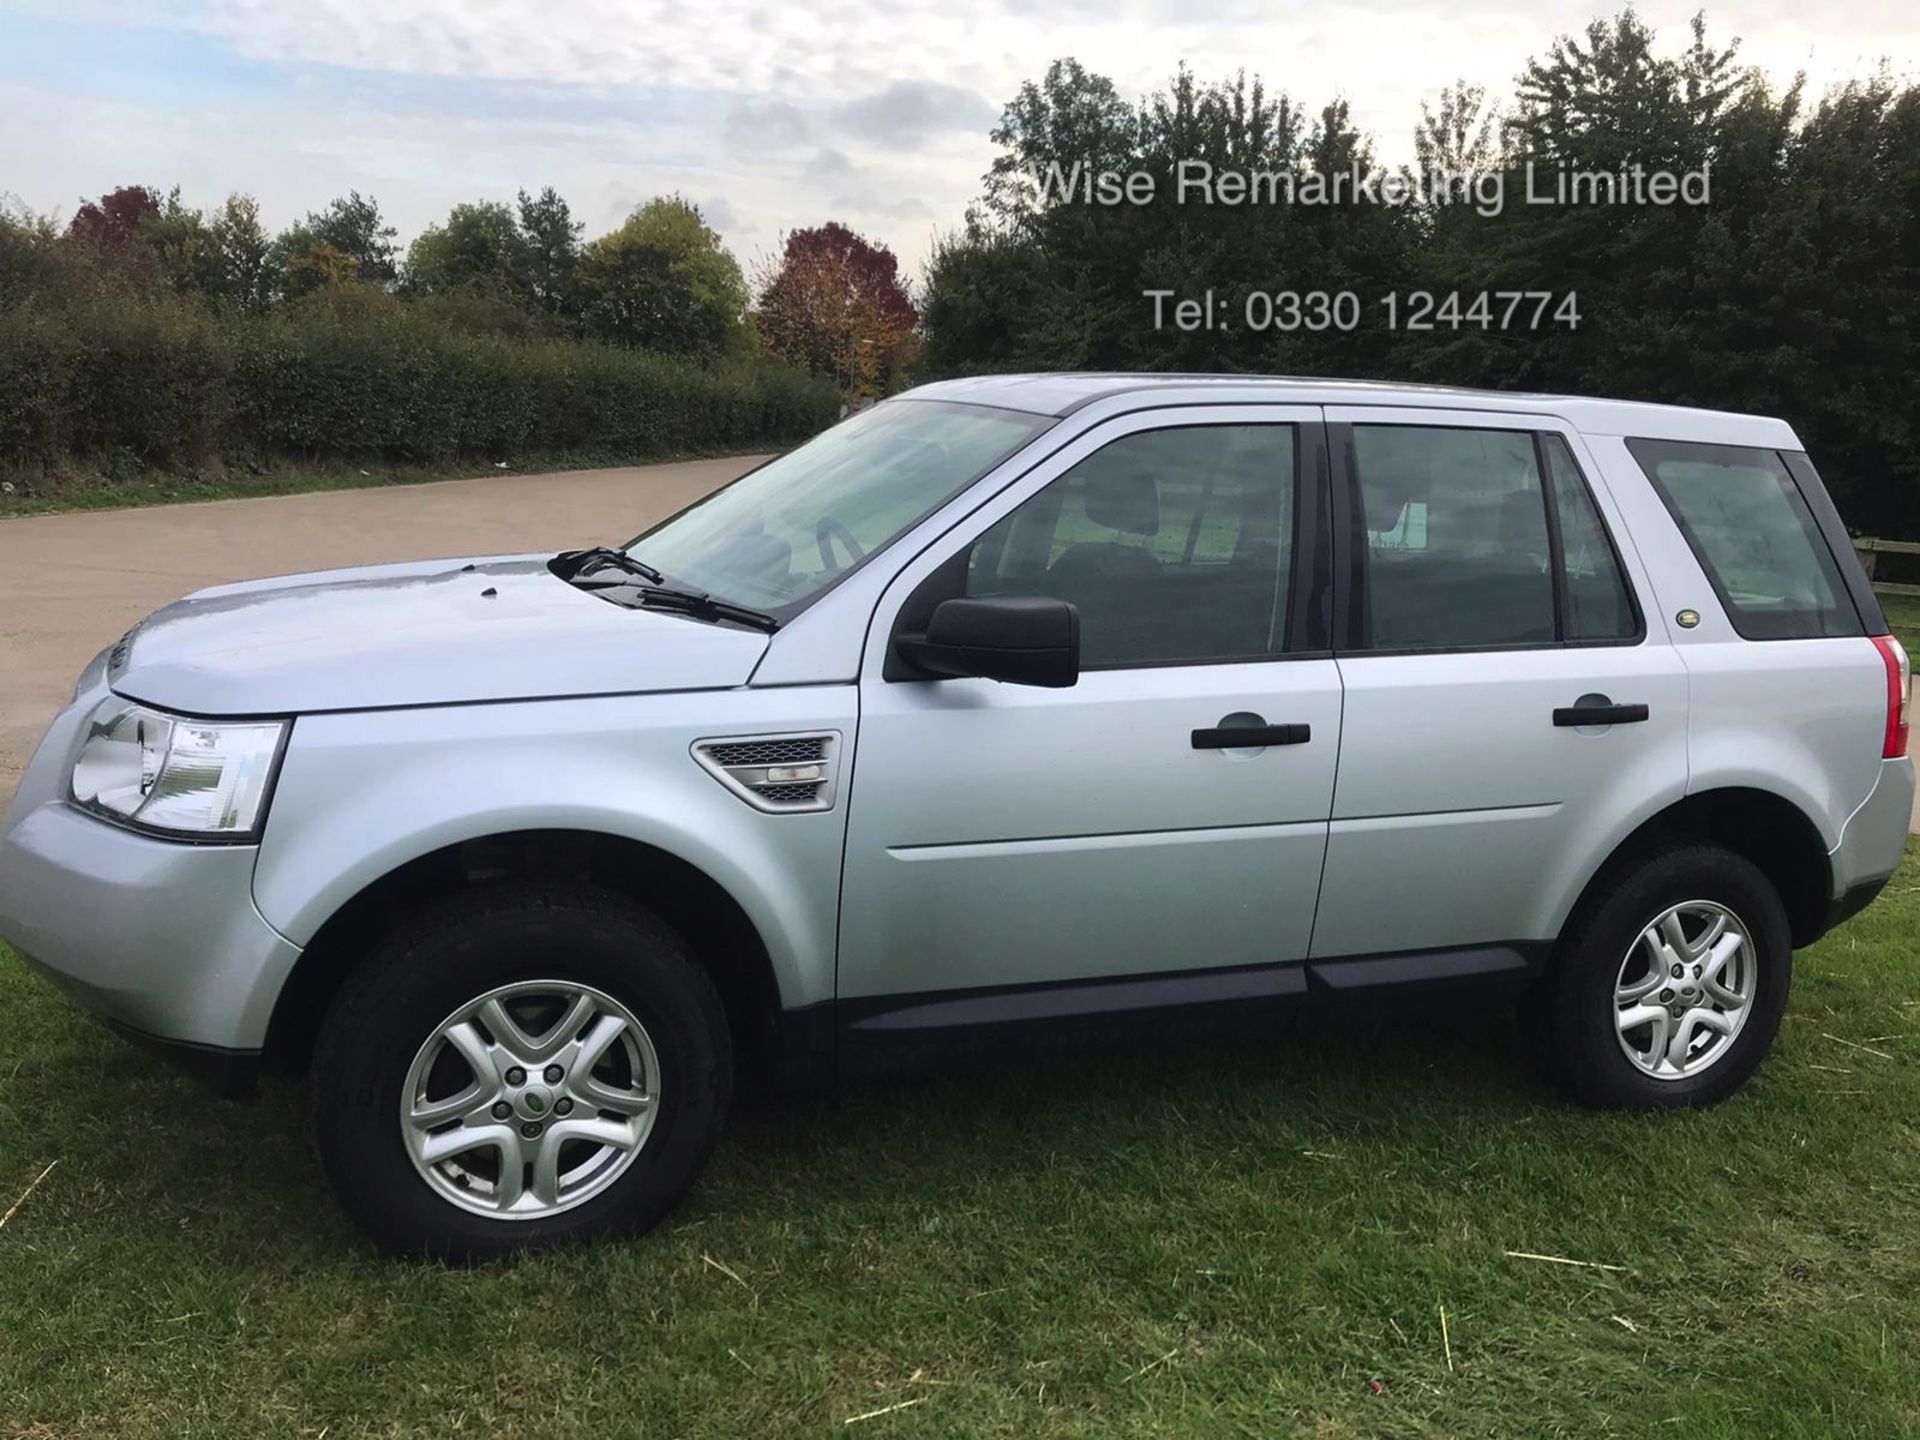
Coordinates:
<point>1479,538</point>
<point>1750,528</point>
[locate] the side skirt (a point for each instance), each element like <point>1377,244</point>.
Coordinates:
<point>891,1032</point>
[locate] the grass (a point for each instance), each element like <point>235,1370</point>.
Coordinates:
<point>43,493</point>
<point>1254,1239</point>
<point>1903,614</point>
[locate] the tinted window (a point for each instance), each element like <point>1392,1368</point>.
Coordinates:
<point>1748,524</point>
<point>1456,528</point>
<point>1174,544</point>
<point>1596,604</point>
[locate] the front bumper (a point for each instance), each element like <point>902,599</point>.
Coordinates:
<point>158,938</point>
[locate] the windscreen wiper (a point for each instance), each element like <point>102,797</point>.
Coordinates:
<point>658,594</point>
<point>600,557</point>
<point>704,607</point>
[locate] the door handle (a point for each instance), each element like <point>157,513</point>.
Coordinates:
<point>1598,710</point>
<point>1251,737</point>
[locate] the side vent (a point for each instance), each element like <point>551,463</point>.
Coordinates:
<point>781,774</point>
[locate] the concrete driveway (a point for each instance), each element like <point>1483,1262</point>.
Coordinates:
<point>70,584</point>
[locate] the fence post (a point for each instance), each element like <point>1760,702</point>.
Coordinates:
<point>1868,553</point>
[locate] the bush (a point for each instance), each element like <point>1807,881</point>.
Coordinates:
<point>351,373</point>
<point>35,358</point>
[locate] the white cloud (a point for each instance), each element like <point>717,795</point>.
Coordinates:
<point>773,116</point>
<point>837,51</point>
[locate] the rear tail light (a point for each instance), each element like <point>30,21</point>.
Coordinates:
<point>1899,695</point>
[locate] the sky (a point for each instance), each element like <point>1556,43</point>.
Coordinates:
<point>771,117</point>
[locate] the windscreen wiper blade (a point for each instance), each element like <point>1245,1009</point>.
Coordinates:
<point>705,607</point>
<point>600,557</point>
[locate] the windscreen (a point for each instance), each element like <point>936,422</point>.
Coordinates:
<point>777,536</point>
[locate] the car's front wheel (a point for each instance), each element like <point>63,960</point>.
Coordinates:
<point>520,1066</point>
<point>1669,986</point>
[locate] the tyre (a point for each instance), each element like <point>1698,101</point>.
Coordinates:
<point>1669,983</point>
<point>519,1067</point>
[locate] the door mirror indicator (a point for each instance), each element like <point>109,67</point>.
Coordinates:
<point>1019,639</point>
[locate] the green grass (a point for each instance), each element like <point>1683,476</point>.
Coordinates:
<point>41,493</point>
<point>1248,1239</point>
<point>1903,614</point>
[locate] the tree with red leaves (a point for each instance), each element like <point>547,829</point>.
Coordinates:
<point>835,305</point>
<point>110,223</point>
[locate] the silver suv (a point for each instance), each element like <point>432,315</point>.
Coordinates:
<point>1007,704</point>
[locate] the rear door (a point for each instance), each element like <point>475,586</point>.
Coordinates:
<point>1506,708</point>
<point>1003,837</point>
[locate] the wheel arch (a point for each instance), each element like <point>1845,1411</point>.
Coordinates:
<point>707,915</point>
<point>1766,828</point>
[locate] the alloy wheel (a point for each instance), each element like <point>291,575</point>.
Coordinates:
<point>1684,990</point>
<point>530,1099</point>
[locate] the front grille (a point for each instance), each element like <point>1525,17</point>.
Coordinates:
<point>770,752</point>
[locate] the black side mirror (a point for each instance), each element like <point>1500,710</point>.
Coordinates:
<point>1021,639</point>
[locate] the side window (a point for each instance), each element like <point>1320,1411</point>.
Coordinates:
<point>1457,552</point>
<point>1176,545</point>
<point>1596,604</point>
<point>1748,524</point>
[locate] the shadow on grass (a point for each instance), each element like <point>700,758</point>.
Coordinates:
<point>1429,1068</point>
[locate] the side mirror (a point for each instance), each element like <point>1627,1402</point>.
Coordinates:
<point>1021,639</point>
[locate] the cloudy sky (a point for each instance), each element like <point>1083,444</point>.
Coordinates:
<point>771,116</point>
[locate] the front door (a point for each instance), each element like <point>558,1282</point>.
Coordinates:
<point>1509,702</point>
<point>1003,836</point>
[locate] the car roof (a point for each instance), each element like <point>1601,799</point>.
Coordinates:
<point>1065,393</point>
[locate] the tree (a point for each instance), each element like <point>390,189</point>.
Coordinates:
<point>1070,115</point>
<point>835,306</point>
<point>1458,137</point>
<point>480,247</point>
<point>1044,277</point>
<point>242,274</point>
<point>551,239</point>
<point>178,238</point>
<point>110,224</point>
<point>220,256</point>
<point>31,252</point>
<point>663,281</point>
<point>353,228</point>
<point>316,267</point>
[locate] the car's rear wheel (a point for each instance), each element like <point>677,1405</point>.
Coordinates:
<point>519,1067</point>
<point>1669,985</point>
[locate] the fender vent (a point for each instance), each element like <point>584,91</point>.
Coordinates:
<point>782,774</point>
<point>797,751</point>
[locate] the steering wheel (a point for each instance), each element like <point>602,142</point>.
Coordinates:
<point>830,530</point>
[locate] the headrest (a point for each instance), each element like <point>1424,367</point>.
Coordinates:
<point>1123,497</point>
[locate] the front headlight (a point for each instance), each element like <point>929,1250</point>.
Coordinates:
<point>201,779</point>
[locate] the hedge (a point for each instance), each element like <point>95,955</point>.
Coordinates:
<point>169,382</point>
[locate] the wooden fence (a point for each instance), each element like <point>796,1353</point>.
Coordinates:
<point>1871,550</point>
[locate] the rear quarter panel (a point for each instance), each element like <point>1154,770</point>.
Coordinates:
<point>1802,719</point>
